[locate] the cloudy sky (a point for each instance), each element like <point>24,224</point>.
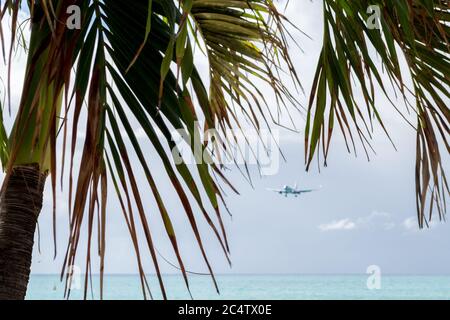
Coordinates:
<point>364,214</point>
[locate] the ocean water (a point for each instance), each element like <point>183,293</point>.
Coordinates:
<point>252,287</point>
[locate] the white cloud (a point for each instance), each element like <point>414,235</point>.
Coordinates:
<point>410,224</point>
<point>344,224</point>
<point>376,220</point>
<point>379,220</point>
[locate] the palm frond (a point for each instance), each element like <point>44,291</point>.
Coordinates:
<point>133,63</point>
<point>419,31</point>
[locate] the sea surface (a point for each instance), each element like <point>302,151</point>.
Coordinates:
<point>251,287</point>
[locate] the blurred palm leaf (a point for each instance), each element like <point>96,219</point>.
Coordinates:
<point>241,46</point>
<point>418,30</point>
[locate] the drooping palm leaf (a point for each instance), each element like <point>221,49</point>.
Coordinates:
<point>133,63</point>
<point>243,48</point>
<point>418,30</point>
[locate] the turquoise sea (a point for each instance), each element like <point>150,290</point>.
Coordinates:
<point>254,287</point>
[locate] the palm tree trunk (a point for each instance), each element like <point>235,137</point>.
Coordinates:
<point>20,205</point>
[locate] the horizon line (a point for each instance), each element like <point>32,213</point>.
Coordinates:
<point>253,274</point>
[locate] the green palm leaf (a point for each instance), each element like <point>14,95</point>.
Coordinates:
<point>419,31</point>
<point>145,77</point>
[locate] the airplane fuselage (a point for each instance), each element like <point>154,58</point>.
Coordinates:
<point>287,190</point>
<point>290,191</point>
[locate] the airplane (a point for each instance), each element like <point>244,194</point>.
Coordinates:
<point>287,190</point>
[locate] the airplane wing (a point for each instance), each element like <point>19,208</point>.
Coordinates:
<point>275,190</point>
<point>307,191</point>
<point>303,191</point>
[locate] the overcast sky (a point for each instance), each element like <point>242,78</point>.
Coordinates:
<point>364,215</point>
